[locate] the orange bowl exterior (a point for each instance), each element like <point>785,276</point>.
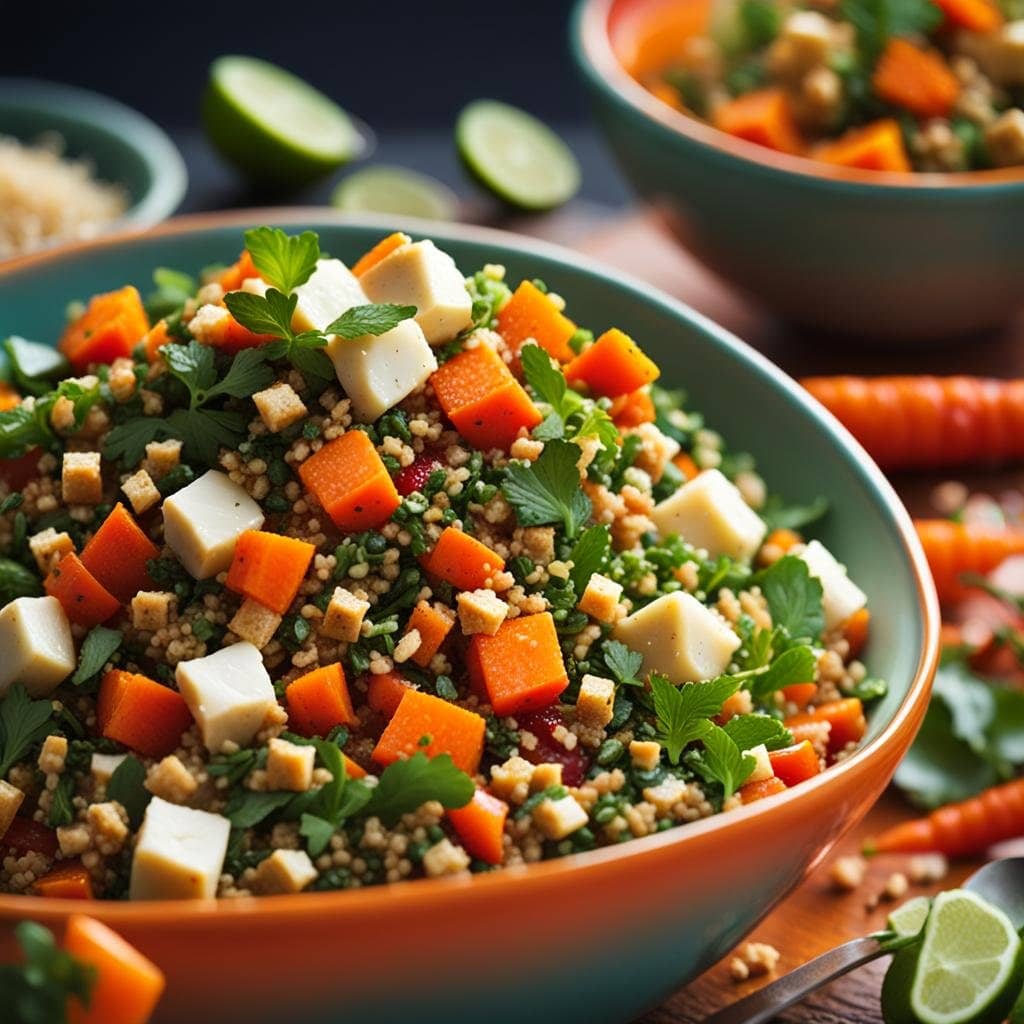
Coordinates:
<point>600,936</point>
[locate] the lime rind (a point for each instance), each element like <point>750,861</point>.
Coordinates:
<point>397,190</point>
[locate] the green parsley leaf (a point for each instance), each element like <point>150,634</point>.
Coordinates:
<point>407,785</point>
<point>796,665</point>
<point>548,490</point>
<point>333,803</point>
<point>23,427</point>
<point>34,366</point>
<point>317,831</point>
<point>622,663</point>
<point>17,581</point>
<point>779,516</point>
<point>374,319</point>
<point>173,290</point>
<point>285,261</point>
<point>23,723</point>
<point>62,811</point>
<point>721,760</point>
<point>748,731</point>
<point>205,431</point>
<point>126,443</point>
<point>794,597</point>
<point>127,787</point>
<point>589,555</point>
<point>248,807</point>
<point>548,382</point>
<point>263,314</point>
<point>192,364</point>
<point>876,21</point>
<point>684,712</point>
<point>98,647</point>
<point>247,374</point>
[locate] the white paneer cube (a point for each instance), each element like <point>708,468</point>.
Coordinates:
<point>331,290</point>
<point>37,647</point>
<point>559,818</point>
<point>680,638</point>
<point>378,373</point>
<point>179,854</point>
<point>709,512</point>
<point>203,521</point>
<point>423,276</point>
<point>763,769</point>
<point>229,694</point>
<point>284,871</point>
<point>102,766</point>
<point>841,596</point>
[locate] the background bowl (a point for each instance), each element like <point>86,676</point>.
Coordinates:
<point>126,148</point>
<point>598,936</point>
<point>897,256</point>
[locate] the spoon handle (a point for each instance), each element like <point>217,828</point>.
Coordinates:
<point>772,999</point>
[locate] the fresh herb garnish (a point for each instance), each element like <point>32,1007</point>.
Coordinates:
<point>548,490</point>
<point>98,648</point>
<point>684,712</point>
<point>284,261</point>
<point>794,597</point>
<point>248,807</point>
<point>339,799</point>
<point>622,663</point>
<point>748,731</point>
<point>795,665</point>
<point>722,761</point>
<point>172,290</point>
<point>23,723</point>
<point>406,785</point>
<point>374,319</point>
<point>127,787</point>
<point>589,555</point>
<point>25,426</point>
<point>17,581</point>
<point>876,21</point>
<point>779,516</point>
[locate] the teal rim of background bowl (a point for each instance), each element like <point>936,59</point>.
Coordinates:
<point>589,19</point>
<point>126,148</point>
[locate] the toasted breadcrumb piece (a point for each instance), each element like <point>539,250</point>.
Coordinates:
<point>344,617</point>
<point>151,609</point>
<point>481,611</point>
<point>161,458</point>
<point>284,871</point>
<point>170,780</point>
<point>48,547</point>
<point>289,766</point>
<point>140,490</point>
<point>80,478</point>
<point>279,407</point>
<point>255,622</point>
<point>445,858</point>
<point>755,959</point>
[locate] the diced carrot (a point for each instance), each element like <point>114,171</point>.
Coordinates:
<point>462,560</point>
<point>155,339</point>
<point>385,692</point>
<point>661,90</point>
<point>633,409</point>
<point>754,791</point>
<point>128,985</point>
<point>685,464</point>
<point>385,247</point>
<point>481,826</point>
<point>141,713</point>
<point>855,631</point>
<point>434,625</point>
<point>69,880</point>
<point>916,80</point>
<point>737,704</point>
<point>531,314</point>
<point>973,15</point>
<point>800,694</point>
<point>845,716</point>
<point>19,471</point>
<point>111,326</point>
<point>232,278</point>
<point>872,147</point>
<point>269,568</point>
<point>613,365</point>
<point>481,397</point>
<point>353,769</point>
<point>795,764</point>
<point>229,336</point>
<point>520,668</point>
<point>84,599</point>
<point>349,479</point>
<point>24,835</point>
<point>9,398</point>
<point>117,555</point>
<point>447,729</point>
<point>764,117</point>
<point>319,700</point>
<point>783,539</point>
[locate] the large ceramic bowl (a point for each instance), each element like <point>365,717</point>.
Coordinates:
<point>599,936</point>
<point>126,148</point>
<point>912,257</point>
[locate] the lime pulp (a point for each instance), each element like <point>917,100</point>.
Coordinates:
<point>397,190</point>
<point>909,918</point>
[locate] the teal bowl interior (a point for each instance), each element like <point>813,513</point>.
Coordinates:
<point>801,450</point>
<point>914,258</point>
<point>126,148</point>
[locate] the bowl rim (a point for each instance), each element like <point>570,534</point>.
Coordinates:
<point>594,54</point>
<point>423,893</point>
<point>99,112</point>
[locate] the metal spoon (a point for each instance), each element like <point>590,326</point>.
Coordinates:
<point>1001,882</point>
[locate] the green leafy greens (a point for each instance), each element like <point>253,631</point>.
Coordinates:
<point>548,490</point>
<point>23,723</point>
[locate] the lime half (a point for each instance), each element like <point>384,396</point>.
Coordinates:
<point>396,190</point>
<point>909,918</point>
<point>516,156</point>
<point>276,128</point>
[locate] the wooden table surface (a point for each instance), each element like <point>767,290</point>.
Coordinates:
<point>815,917</point>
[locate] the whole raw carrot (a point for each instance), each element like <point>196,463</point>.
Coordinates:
<point>961,830</point>
<point>926,422</point>
<point>953,549</point>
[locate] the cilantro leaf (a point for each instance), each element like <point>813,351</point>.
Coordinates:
<point>126,443</point>
<point>722,761</point>
<point>406,785</point>
<point>249,807</point>
<point>62,811</point>
<point>375,319</point>
<point>25,427</point>
<point>247,374</point>
<point>173,289</point>
<point>622,663</point>
<point>777,515</point>
<point>263,314</point>
<point>23,723</point>
<point>589,555</point>
<point>317,831</point>
<point>339,799</point>
<point>875,21</point>
<point>285,261</point>
<point>548,490</point>
<point>794,597</point>
<point>684,712</point>
<point>205,431</point>
<point>192,364</point>
<point>127,787</point>
<point>796,665</point>
<point>98,647</point>
<point>748,731</point>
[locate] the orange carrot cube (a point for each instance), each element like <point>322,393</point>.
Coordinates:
<point>632,409</point>
<point>319,700</point>
<point>764,116</point>
<point>68,880</point>
<point>916,80</point>
<point>754,791</point>
<point>269,568</point>
<point>434,625</point>
<point>141,713</point>
<point>480,826</point>
<point>462,560</point>
<point>613,365</point>
<point>795,764</point>
<point>84,599</point>
<point>117,555</point>
<point>110,327</point>
<point>385,692</point>
<point>531,314</point>
<point>845,716</point>
<point>873,147</point>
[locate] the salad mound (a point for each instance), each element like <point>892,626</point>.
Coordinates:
<point>316,577</point>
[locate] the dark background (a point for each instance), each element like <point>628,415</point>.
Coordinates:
<point>405,68</point>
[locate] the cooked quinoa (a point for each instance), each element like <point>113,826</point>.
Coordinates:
<point>275,620</point>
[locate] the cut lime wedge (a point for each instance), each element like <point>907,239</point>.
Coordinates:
<point>516,156</point>
<point>396,190</point>
<point>909,918</point>
<point>276,128</point>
